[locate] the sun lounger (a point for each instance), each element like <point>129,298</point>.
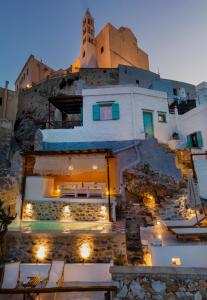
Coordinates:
<point>10,281</point>
<point>88,274</point>
<point>190,232</point>
<point>11,276</point>
<point>55,274</point>
<point>184,223</point>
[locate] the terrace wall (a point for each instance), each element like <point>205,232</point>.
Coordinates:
<point>169,283</point>
<point>104,246</point>
<point>54,210</point>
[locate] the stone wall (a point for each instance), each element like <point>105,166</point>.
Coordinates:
<point>56,210</point>
<point>9,192</point>
<point>103,246</point>
<point>167,283</point>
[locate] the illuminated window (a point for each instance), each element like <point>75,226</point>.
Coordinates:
<point>162,117</point>
<point>176,261</point>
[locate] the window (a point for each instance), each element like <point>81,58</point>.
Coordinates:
<point>175,93</point>
<point>137,81</point>
<point>105,112</point>
<point>102,49</point>
<point>108,111</point>
<point>1,100</point>
<point>84,53</point>
<point>162,117</point>
<point>176,261</point>
<point>195,140</point>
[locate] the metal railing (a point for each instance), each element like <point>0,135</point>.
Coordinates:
<point>65,124</point>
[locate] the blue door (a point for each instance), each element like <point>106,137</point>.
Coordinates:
<point>148,123</point>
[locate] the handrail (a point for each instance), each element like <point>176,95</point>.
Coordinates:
<point>83,288</point>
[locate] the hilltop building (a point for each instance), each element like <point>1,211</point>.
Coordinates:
<point>110,48</point>
<point>33,71</point>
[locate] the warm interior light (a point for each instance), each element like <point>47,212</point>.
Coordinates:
<point>107,193</point>
<point>158,222</point>
<point>41,252</point>
<point>85,250</point>
<point>71,168</point>
<point>94,167</point>
<point>176,261</point>
<point>29,210</point>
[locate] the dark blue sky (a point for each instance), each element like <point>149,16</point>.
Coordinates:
<point>172,32</point>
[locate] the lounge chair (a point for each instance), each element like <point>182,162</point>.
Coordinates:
<point>190,232</point>
<point>88,274</point>
<point>184,223</point>
<point>55,274</point>
<point>10,280</point>
<point>11,276</point>
<point>54,279</point>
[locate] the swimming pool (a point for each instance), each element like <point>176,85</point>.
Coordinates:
<point>57,226</point>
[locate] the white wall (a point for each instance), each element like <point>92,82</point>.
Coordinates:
<point>192,121</point>
<point>36,187</point>
<point>132,101</point>
<point>161,256</point>
<point>201,172</point>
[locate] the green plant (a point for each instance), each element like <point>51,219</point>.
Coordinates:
<point>6,218</point>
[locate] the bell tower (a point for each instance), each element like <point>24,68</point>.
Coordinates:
<point>88,48</point>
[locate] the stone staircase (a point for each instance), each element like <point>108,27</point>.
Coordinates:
<point>133,243</point>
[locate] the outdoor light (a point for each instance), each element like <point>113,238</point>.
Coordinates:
<point>71,168</point>
<point>159,236</point>
<point>158,222</point>
<point>103,210</point>
<point>107,193</point>
<point>41,252</point>
<point>29,210</point>
<point>85,250</point>
<point>94,167</point>
<point>176,261</point>
<point>66,209</point>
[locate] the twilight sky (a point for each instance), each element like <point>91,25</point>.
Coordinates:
<point>173,33</point>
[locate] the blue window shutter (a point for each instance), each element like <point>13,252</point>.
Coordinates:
<point>81,114</point>
<point>199,139</point>
<point>115,111</point>
<point>96,112</point>
<point>189,141</point>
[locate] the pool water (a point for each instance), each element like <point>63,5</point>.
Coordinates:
<point>67,227</point>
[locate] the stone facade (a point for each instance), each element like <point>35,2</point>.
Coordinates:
<point>56,210</point>
<point>163,283</point>
<point>9,192</point>
<point>103,247</point>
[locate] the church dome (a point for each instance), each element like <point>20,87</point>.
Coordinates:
<point>126,30</point>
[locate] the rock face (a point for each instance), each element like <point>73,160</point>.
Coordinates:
<point>9,192</point>
<point>160,283</point>
<point>147,184</point>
